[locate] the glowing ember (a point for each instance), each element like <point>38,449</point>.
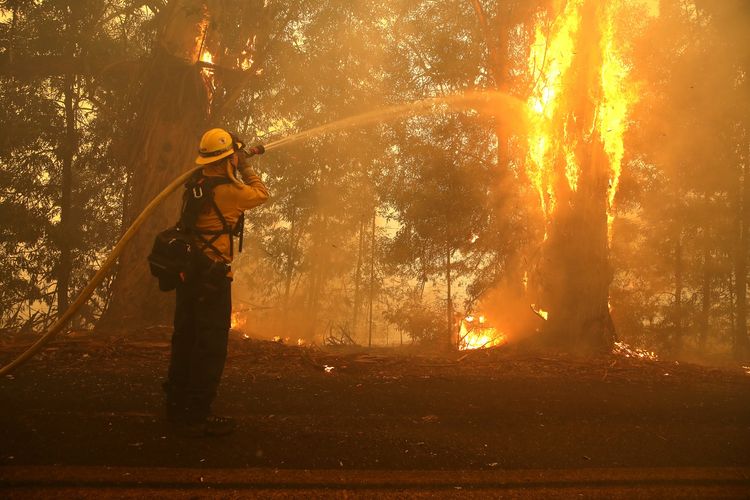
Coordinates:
<point>540,312</point>
<point>623,349</point>
<point>475,334</point>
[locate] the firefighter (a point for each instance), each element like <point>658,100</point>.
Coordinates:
<point>204,303</point>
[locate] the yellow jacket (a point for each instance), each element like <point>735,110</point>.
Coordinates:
<point>232,200</point>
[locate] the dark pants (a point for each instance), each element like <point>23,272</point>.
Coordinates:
<point>199,350</point>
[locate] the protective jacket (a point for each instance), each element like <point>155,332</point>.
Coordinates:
<point>231,200</point>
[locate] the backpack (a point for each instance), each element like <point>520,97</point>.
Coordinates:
<point>179,255</point>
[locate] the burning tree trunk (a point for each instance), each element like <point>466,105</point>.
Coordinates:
<point>578,114</point>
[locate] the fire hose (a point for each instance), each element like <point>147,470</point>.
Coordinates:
<point>97,279</point>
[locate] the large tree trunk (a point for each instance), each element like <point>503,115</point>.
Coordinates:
<point>170,116</point>
<point>576,270</point>
<point>176,105</point>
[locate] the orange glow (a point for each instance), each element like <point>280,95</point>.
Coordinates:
<point>238,321</point>
<point>475,334</point>
<point>207,58</point>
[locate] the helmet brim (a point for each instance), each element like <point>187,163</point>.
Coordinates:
<point>205,160</point>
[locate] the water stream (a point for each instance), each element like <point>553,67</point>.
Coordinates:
<point>508,109</point>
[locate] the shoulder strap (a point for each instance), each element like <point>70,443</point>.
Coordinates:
<point>199,190</point>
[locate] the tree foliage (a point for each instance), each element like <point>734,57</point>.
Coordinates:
<point>102,103</point>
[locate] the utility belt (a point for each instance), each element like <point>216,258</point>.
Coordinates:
<point>210,277</point>
<point>176,260</point>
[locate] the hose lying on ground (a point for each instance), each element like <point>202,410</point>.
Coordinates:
<point>86,293</point>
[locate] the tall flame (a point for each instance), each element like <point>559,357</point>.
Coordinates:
<point>550,143</point>
<point>550,57</point>
<point>618,96</point>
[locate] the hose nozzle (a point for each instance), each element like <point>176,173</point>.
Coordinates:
<point>258,149</point>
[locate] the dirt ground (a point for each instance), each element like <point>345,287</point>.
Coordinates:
<point>92,401</point>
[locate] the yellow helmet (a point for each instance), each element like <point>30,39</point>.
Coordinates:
<point>215,145</point>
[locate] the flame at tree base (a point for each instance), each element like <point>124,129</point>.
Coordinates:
<point>474,333</point>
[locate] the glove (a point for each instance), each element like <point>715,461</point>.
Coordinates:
<point>244,164</point>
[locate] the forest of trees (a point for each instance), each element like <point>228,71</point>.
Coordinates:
<point>390,231</point>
